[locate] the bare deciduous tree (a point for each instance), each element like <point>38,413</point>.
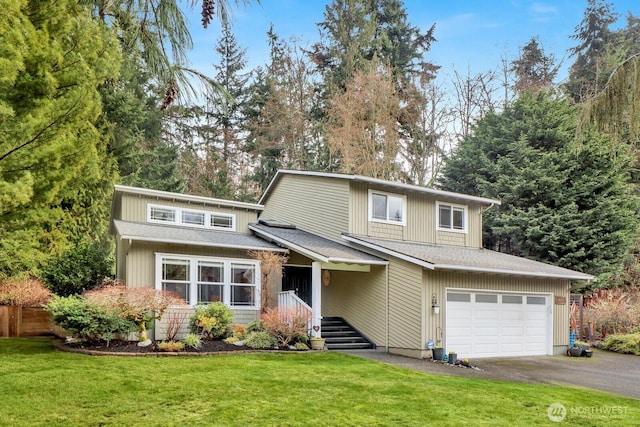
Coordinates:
<point>427,139</point>
<point>474,97</point>
<point>363,125</point>
<point>270,267</point>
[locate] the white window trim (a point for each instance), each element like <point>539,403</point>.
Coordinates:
<point>387,221</point>
<point>453,230</point>
<point>193,277</point>
<point>178,216</point>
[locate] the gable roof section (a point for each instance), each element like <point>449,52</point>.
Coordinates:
<point>454,258</point>
<point>190,236</point>
<point>379,182</point>
<point>313,246</point>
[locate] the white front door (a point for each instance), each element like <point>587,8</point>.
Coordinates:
<point>490,324</point>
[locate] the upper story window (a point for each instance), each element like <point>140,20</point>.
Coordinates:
<point>191,217</point>
<point>451,217</point>
<point>389,208</point>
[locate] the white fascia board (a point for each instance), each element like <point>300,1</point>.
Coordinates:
<point>577,276</point>
<point>187,197</point>
<point>386,251</point>
<point>192,243</point>
<point>417,188</point>
<point>357,261</point>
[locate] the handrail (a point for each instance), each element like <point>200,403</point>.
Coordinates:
<point>289,302</point>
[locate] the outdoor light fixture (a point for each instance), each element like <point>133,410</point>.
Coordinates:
<point>434,303</point>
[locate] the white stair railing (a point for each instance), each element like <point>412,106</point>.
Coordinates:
<point>290,303</point>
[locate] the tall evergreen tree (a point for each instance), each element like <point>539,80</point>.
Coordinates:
<point>284,129</point>
<point>534,70</point>
<point>562,202</point>
<point>132,121</point>
<point>589,72</point>
<point>54,172</point>
<point>356,32</point>
<point>221,149</point>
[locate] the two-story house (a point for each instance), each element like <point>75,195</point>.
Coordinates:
<point>402,264</point>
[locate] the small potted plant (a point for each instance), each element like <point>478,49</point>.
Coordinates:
<point>317,342</point>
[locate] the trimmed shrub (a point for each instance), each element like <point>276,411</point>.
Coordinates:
<point>628,343</point>
<point>140,305</point>
<point>77,270</point>
<point>88,321</point>
<point>211,321</point>
<point>260,339</point>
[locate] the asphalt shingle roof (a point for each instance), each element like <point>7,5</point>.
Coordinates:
<point>466,259</point>
<point>314,245</point>
<point>190,236</point>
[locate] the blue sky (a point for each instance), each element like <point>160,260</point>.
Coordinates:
<point>471,34</point>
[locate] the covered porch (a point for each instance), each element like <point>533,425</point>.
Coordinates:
<point>318,264</point>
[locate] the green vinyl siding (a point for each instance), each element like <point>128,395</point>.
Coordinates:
<point>361,299</point>
<point>437,282</point>
<point>421,222</point>
<point>134,209</point>
<point>405,306</point>
<point>317,205</point>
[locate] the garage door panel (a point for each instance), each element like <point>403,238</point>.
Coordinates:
<point>481,331</point>
<point>510,331</point>
<point>488,349</point>
<point>460,332</point>
<point>535,332</point>
<point>536,315</point>
<point>483,314</point>
<point>509,315</point>
<point>460,313</point>
<point>489,325</point>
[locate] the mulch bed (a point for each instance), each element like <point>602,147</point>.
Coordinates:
<point>131,348</point>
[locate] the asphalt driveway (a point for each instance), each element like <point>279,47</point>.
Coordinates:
<point>606,371</point>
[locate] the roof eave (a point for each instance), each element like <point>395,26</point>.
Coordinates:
<point>304,251</point>
<point>473,269</point>
<point>194,243</point>
<point>187,197</point>
<point>311,254</point>
<point>386,251</point>
<point>407,187</point>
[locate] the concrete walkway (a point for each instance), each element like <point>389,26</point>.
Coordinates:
<point>606,371</point>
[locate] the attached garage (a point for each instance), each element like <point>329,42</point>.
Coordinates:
<point>489,324</point>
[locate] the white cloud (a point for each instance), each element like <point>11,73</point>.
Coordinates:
<point>542,12</point>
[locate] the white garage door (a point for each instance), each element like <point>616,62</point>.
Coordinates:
<point>489,324</point>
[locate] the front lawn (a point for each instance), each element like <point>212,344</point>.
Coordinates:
<point>41,386</point>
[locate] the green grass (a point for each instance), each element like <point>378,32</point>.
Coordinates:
<point>41,386</point>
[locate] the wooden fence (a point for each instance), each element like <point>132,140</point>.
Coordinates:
<point>18,321</point>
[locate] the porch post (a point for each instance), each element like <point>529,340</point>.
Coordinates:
<point>316,297</point>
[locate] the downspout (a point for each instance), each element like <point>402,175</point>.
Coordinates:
<point>388,311</point>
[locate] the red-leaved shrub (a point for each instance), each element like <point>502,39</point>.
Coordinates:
<point>285,325</point>
<point>24,292</point>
